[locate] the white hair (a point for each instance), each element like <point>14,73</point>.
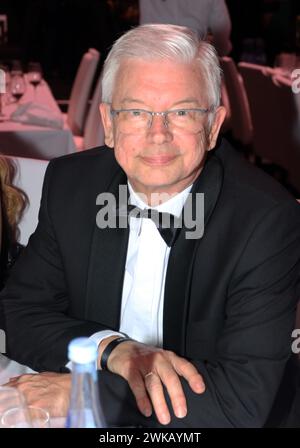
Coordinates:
<point>169,42</point>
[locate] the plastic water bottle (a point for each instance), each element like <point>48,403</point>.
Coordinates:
<point>85,410</point>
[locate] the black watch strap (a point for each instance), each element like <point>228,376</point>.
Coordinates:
<point>109,348</point>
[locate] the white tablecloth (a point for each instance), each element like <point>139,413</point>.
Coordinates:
<point>35,141</point>
<point>9,368</point>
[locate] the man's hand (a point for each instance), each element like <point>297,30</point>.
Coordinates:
<point>47,390</point>
<point>147,369</point>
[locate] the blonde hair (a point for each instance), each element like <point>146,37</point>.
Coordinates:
<point>13,200</point>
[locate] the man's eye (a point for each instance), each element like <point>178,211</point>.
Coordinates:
<point>136,113</point>
<point>182,113</point>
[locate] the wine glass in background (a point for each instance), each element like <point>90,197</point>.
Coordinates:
<point>17,85</point>
<point>14,418</point>
<point>16,66</point>
<point>7,80</point>
<point>34,74</point>
<point>4,89</point>
<point>11,398</point>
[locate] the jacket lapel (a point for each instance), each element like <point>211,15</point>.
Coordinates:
<point>106,268</point>
<point>180,266</point>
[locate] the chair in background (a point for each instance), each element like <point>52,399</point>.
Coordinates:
<point>227,124</point>
<point>275,115</point>
<point>29,178</point>
<point>241,123</point>
<point>93,134</point>
<point>80,92</point>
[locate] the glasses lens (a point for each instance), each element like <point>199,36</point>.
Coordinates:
<point>187,120</point>
<point>133,120</point>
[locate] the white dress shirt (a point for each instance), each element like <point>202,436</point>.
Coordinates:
<point>145,273</point>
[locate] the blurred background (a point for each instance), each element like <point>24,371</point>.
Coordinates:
<point>261,50</point>
<point>57,32</point>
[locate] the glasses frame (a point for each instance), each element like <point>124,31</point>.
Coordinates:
<point>115,112</point>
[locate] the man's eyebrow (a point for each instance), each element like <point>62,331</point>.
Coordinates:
<point>186,101</point>
<point>132,100</point>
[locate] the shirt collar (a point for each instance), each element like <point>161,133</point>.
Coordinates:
<point>173,205</point>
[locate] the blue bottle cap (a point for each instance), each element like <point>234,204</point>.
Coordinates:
<point>82,350</point>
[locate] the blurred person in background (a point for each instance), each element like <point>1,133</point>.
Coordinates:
<point>12,204</point>
<point>204,17</point>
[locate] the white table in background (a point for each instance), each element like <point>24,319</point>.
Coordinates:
<point>38,142</point>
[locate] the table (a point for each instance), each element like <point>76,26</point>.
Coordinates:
<point>33,141</point>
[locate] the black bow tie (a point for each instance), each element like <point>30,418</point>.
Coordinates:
<point>166,223</point>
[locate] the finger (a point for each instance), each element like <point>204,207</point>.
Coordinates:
<point>156,393</point>
<point>12,384</point>
<point>187,370</point>
<point>22,378</point>
<point>8,384</point>
<point>12,380</point>
<point>31,395</point>
<point>137,385</point>
<point>170,379</point>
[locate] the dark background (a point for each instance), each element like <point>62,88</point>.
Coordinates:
<point>58,32</point>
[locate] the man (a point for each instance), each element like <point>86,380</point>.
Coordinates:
<point>205,16</point>
<point>210,314</point>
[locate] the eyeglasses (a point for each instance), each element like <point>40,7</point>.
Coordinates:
<point>139,120</point>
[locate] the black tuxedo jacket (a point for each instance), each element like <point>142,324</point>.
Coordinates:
<point>230,296</point>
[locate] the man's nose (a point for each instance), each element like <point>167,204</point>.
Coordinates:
<point>159,131</point>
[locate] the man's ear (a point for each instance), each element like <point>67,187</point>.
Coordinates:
<point>104,109</point>
<point>220,115</point>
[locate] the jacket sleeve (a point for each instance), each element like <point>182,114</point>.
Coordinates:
<point>36,302</point>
